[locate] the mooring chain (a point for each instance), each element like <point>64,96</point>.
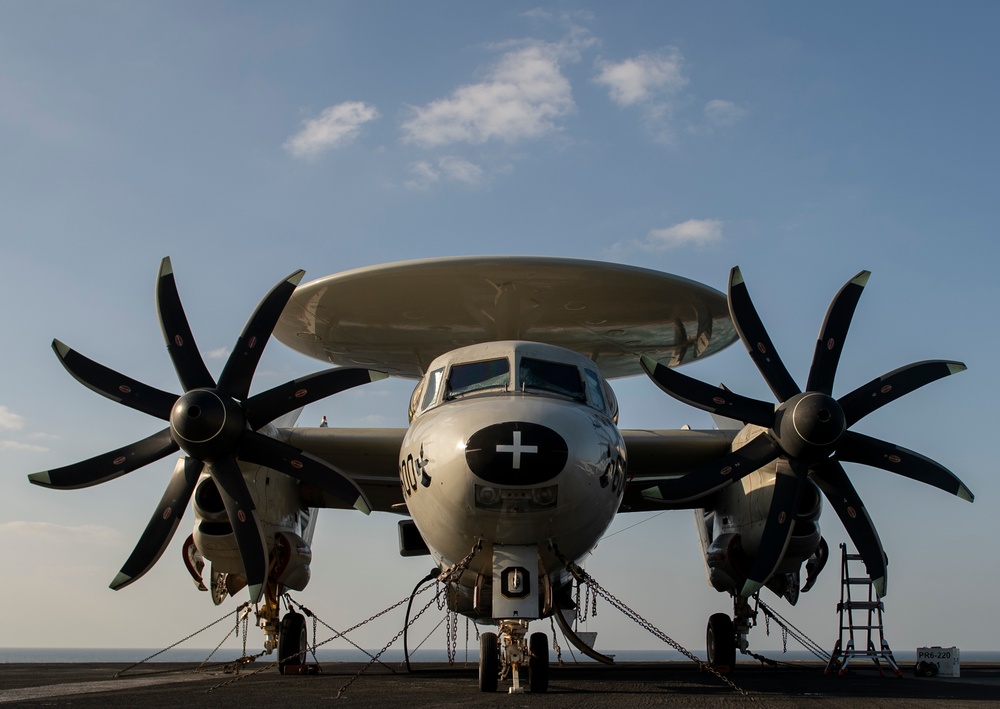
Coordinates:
<point>555,641</point>
<point>182,640</point>
<point>451,575</point>
<point>243,659</point>
<point>451,635</point>
<point>336,633</point>
<point>583,576</point>
<point>787,629</point>
<point>388,644</point>
<point>315,636</point>
<point>589,604</point>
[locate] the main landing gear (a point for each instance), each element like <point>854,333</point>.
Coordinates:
<point>725,635</point>
<point>503,655</point>
<point>288,637</point>
<point>720,641</point>
<point>293,643</point>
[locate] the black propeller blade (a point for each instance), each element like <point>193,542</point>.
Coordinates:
<point>833,481</point>
<point>110,465</point>
<point>214,424</point>
<point>242,363</point>
<point>183,351</point>
<point>807,433</point>
<point>756,340</point>
<point>162,524</point>
<point>777,529</point>
<point>246,524</point>
<point>833,334</point>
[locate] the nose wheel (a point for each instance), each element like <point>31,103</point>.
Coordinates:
<point>506,654</point>
<point>489,662</point>
<point>538,663</point>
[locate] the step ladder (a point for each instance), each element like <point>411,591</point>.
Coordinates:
<point>860,610</point>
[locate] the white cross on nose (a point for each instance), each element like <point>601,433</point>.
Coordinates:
<point>517,449</point>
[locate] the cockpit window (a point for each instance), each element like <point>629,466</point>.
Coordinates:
<point>555,377</point>
<point>595,393</point>
<point>476,376</point>
<point>432,386</point>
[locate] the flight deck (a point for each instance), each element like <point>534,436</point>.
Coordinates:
<point>638,684</point>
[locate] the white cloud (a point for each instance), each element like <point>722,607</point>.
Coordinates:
<point>459,170</point>
<point>336,126</point>
<point>642,79</point>
<point>720,113</point>
<point>521,98</point>
<point>693,232</point>
<point>43,436</point>
<point>218,353</point>
<point>9,420</point>
<point>424,173</point>
<point>18,446</point>
<point>86,534</point>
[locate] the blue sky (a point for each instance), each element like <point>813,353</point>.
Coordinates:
<point>802,141</point>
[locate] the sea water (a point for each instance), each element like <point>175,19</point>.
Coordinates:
<point>131,655</point>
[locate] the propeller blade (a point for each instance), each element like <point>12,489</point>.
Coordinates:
<point>162,524</point>
<point>777,529</point>
<point>246,524</point>
<point>292,461</point>
<point>108,466</point>
<point>181,347</point>
<point>889,387</point>
<point>758,452</point>
<point>115,386</point>
<point>833,334</point>
<point>859,448</point>
<point>267,406</point>
<point>242,363</point>
<point>708,398</point>
<point>756,339</point>
<point>833,481</point>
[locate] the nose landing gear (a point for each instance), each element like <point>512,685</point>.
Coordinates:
<point>505,655</point>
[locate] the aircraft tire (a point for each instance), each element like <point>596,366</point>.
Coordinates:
<point>489,662</point>
<point>720,640</point>
<point>538,664</point>
<point>292,642</point>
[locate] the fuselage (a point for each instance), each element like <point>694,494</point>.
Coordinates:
<point>512,444</point>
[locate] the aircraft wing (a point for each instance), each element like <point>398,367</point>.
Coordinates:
<point>655,455</point>
<point>368,456</point>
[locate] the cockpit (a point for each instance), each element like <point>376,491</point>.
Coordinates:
<point>507,368</point>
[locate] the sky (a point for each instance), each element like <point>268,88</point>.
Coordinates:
<point>803,142</point>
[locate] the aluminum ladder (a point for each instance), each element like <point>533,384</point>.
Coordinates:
<point>860,611</point>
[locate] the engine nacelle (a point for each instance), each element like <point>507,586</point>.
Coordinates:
<point>727,563</point>
<point>292,559</point>
<point>213,534</point>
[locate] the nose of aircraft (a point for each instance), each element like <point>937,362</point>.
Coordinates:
<point>516,453</point>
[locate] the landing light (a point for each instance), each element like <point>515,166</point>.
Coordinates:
<point>516,500</point>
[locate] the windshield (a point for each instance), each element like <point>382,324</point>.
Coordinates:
<point>554,377</point>
<point>476,376</point>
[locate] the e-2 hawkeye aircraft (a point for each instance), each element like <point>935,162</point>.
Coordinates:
<point>513,466</point>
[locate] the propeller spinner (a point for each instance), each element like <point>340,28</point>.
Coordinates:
<point>215,424</point>
<point>807,433</point>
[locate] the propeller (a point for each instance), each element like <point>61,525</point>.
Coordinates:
<point>806,434</point>
<point>215,424</point>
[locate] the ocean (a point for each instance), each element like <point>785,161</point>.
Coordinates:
<point>131,655</point>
